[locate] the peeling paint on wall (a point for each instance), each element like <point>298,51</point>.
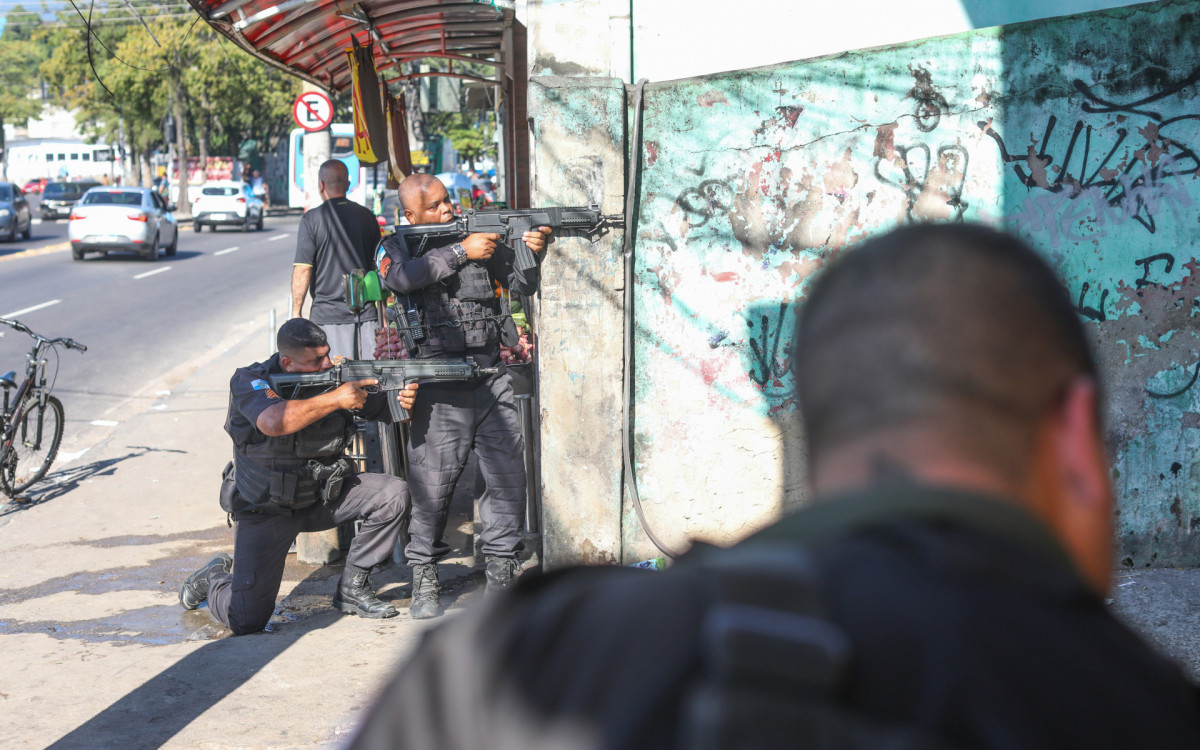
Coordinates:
<point>752,181</point>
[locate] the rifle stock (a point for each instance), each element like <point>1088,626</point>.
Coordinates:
<point>392,375</point>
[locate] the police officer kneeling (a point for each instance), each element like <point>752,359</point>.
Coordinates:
<point>289,475</point>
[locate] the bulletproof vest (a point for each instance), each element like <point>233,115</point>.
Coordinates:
<point>271,474</point>
<point>460,312</point>
<point>776,669</point>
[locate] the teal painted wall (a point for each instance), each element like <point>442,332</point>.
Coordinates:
<point>1076,133</point>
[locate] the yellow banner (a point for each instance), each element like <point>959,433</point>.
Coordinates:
<point>362,137</point>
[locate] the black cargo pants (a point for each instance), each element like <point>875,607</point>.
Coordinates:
<point>244,600</point>
<point>449,420</point>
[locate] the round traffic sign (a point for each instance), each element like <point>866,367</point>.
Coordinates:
<point>313,111</point>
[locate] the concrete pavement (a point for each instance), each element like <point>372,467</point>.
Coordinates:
<point>98,653</point>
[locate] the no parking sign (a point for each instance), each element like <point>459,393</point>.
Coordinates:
<point>313,111</point>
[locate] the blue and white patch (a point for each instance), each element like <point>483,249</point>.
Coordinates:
<point>260,385</point>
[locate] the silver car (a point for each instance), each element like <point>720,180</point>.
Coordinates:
<point>132,219</point>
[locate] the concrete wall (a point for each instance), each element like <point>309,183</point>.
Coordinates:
<point>668,39</point>
<point>751,181</point>
<point>577,130</point>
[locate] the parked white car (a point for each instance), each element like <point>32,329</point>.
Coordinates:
<point>131,219</point>
<point>226,203</point>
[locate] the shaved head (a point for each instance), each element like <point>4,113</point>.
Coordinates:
<point>959,333</point>
<point>335,178</point>
<point>414,188</point>
<point>425,200</point>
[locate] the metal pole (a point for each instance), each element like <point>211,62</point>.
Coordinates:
<point>271,332</point>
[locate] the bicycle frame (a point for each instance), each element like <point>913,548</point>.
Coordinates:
<point>33,384</point>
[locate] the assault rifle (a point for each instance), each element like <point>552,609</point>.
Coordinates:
<point>392,376</point>
<point>509,223</point>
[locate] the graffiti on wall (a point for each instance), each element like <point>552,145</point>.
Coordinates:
<point>757,179</point>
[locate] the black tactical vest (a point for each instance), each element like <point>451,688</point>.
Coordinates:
<point>270,475</point>
<point>460,312</point>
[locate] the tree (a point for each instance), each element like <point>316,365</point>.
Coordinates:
<point>217,94</point>
<point>19,98</point>
<point>471,134</point>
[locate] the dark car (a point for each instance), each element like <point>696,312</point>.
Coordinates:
<point>58,198</point>
<point>15,217</point>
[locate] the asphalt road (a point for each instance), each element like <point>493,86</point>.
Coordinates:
<point>147,325</point>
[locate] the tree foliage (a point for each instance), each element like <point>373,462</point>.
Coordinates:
<point>123,78</point>
<point>472,134</point>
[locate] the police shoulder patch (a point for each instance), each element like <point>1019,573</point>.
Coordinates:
<point>259,385</point>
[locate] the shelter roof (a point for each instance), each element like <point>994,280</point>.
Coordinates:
<point>308,38</point>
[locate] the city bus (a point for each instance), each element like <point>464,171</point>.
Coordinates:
<point>342,137</point>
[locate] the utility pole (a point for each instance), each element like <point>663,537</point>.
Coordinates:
<point>183,205</point>
<point>318,148</point>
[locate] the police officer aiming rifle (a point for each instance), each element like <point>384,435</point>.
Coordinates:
<point>290,474</point>
<point>450,291</point>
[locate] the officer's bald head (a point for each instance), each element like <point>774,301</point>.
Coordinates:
<point>958,335</point>
<point>414,187</point>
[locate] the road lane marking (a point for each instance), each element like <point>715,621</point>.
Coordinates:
<point>104,423</point>
<point>226,250</point>
<point>278,237</point>
<point>30,309</point>
<point>151,273</point>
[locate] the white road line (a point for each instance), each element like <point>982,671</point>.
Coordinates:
<point>104,423</point>
<point>30,309</point>
<point>226,250</point>
<point>278,237</point>
<point>151,273</point>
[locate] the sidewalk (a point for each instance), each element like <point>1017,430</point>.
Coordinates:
<point>98,653</point>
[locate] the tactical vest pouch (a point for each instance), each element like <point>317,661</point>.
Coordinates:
<point>228,488</point>
<point>293,491</point>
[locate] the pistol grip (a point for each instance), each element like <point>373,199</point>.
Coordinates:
<point>524,260</point>
<point>399,413</point>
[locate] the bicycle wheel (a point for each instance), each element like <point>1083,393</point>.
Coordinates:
<point>39,432</point>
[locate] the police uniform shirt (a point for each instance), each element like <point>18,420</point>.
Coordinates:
<point>250,395</point>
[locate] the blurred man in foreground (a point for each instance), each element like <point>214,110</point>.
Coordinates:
<point>943,589</point>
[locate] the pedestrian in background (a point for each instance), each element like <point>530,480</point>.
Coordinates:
<point>944,588</point>
<point>334,239</point>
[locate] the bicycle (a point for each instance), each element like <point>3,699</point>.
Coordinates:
<point>31,424</point>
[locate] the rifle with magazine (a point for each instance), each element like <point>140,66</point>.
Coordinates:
<point>391,376</point>
<point>509,223</point>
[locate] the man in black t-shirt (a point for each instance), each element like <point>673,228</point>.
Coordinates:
<point>336,238</point>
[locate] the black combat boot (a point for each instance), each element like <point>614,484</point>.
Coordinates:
<point>501,573</point>
<point>354,596</point>
<point>194,590</point>
<point>426,601</point>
